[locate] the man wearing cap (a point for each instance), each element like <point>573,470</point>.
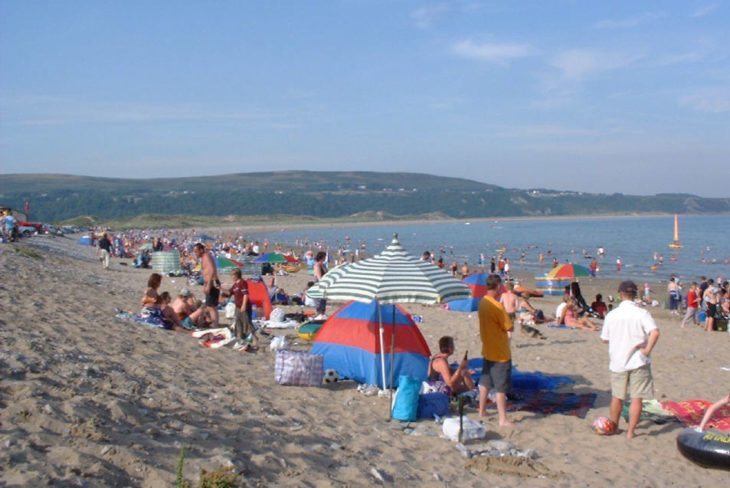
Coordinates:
<point>631,334</point>
<point>185,306</point>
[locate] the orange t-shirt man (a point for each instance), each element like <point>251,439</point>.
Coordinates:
<point>494,323</point>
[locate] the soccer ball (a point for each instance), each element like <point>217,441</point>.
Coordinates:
<point>331,376</point>
<point>604,426</point>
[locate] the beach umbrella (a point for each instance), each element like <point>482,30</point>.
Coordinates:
<point>349,342</point>
<point>477,283</point>
<point>393,276</point>
<point>568,270</point>
<point>225,263</point>
<point>463,305</point>
<point>271,257</point>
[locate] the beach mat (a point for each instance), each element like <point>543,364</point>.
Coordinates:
<point>690,413</point>
<point>549,402</point>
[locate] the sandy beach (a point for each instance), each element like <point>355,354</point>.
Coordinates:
<point>88,400</point>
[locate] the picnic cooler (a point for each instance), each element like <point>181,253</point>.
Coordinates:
<point>166,262</point>
<point>298,368</point>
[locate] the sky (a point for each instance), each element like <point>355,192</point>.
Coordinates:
<point>603,97</point>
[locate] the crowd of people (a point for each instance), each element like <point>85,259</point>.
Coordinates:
<point>707,296</point>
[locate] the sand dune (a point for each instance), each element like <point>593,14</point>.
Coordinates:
<point>87,400</point>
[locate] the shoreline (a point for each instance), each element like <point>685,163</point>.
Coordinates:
<point>293,224</point>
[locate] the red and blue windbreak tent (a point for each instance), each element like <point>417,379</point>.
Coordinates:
<point>349,342</point>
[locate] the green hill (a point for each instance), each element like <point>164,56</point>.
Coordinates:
<point>318,194</point>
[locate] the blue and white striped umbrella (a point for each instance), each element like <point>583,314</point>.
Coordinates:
<point>393,276</point>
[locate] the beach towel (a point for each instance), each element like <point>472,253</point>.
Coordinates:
<point>690,413</point>
<point>274,324</point>
<point>555,325</point>
<point>524,380</point>
<point>650,410</point>
<point>548,402</point>
<point>155,320</point>
<point>214,338</point>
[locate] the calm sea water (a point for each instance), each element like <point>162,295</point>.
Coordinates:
<point>635,240</point>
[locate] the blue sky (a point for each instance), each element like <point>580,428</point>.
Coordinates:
<point>630,97</point>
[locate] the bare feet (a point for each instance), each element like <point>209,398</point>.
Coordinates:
<point>506,424</point>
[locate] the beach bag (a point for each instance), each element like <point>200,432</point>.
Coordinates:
<point>405,403</point>
<point>230,310</point>
<point>433,404</point>
<point>296,368</point>
<point>472,430</point>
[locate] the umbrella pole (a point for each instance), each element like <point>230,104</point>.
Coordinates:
<point>392,356</point>
<point>382,345</point>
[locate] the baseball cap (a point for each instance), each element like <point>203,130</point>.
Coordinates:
<point>627,286</point>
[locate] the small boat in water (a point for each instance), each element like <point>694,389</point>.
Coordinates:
<point>675,244</point>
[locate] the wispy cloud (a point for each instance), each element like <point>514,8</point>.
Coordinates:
<point>577,64</point>
<point>711,100</point>
<point>490,52</point>
<point>702,11</point>
<point>629,22</point>
<point>425,16</point>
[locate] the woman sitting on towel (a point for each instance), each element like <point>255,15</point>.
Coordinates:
<point>569,317</point>
<point>150,298</point>
<point>445,378</point>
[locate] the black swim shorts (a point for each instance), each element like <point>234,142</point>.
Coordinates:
<point>211,299</point>
<point>496,376</point>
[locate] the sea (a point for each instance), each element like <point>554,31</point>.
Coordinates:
<point>640,242</point>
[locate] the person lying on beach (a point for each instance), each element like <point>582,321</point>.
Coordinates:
<point>714,408</point>
<point>569,317</point>
<point>451,381</point>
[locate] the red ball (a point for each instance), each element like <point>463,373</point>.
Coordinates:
<point>604,426</point>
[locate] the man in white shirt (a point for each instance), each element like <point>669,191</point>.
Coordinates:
<point>631,334</point>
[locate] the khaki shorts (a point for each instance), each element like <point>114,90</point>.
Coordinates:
<point>638,383</point>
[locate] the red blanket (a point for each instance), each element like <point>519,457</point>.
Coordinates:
<point>690,412</point>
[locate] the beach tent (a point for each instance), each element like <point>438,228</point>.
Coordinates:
<point>166,262</point>
<point>349,342</point>
<point>85,240</point>
<point>258,293</point>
